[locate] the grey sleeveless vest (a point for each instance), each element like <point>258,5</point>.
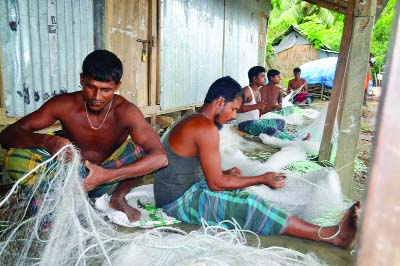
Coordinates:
<point>181,173</point>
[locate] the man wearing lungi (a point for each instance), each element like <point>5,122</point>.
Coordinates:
<point>98,122</point>
<point>194,187</point>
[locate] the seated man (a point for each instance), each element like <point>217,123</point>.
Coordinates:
<point>248,117</point>
<point>98,122</point>
<point>302,96</point>
<point>194,187</point>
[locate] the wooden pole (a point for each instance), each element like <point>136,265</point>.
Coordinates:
<point>350,111</point>
<point>338,85</point>
<point>380,239</point>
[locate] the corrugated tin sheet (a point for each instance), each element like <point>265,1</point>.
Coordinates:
<point>242,22</point>
<point>193,53</point>
<point>191,50</point>
<point>43,44</point>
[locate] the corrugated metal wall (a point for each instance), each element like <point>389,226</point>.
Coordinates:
<point>242,21</point>
<point>191,50</point>
<point>194,52</point>
<point>43,44</point>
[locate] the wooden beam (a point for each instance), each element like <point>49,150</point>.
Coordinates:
<point>2,94</point>
<point>338,85</point>
<point>153,47</point>
<point>349,124</point>
<point>262,37</point>
<point>338,6</point>
<point>4,119</point>
<point>379,241</point>
<point>158,52</point>
<point>164,121</point>
<point>149,110</point>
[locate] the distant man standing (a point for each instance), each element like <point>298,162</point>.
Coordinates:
<point>98,122</point>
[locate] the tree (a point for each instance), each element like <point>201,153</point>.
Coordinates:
<point>322,26</point>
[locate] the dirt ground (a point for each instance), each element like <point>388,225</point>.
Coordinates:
<point>368,125</point>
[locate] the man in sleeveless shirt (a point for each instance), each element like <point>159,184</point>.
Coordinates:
<point>98,122</point>
<point>194,187</point>
<point>248,117</point>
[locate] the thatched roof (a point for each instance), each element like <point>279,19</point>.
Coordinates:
<point>293,28</point>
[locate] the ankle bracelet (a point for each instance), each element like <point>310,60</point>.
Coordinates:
<point>330,237</point>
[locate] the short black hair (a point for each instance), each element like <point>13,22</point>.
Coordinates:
<point>102,65</point>
<point>225,87</point>
<point>272,73</point>
<point>254,71</point>
<point>296,70</point>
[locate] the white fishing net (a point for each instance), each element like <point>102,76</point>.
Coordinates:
<point>314,196</point>
<point>67,230</point>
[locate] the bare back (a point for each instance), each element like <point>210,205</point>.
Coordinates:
<point>271,94</point>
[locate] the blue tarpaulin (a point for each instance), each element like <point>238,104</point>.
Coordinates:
<point>321,71</point>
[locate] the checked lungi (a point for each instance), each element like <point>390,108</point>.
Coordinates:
<point>18,162</point>
<point>249,210</point>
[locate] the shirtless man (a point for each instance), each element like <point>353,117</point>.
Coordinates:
<point>98,122</point>
<point>194,187</point>
<point>271,94</point>
<point>296,83</point>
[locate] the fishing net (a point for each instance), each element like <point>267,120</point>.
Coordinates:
<point>65,229</point>
<point>312,192</point>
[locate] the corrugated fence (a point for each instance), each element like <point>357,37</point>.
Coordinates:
<point>43,45</point>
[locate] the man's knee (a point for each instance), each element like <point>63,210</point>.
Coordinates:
<point>18,162</point>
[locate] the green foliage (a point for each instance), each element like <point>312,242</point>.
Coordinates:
<point>381,35</point>
<point>323,27</point>
<point>320,25</point>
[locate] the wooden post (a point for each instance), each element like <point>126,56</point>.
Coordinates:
<point>153,52</point>
<point>350,117</point>
<point>379,241</point>
<point>338,85</point>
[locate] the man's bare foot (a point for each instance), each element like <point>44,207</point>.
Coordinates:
<point>348,228</point>
<point>120,204</point>
<point>308,137</point>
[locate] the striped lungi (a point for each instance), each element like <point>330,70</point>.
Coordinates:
<point>250,211</point>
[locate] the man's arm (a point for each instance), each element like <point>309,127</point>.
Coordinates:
<point>290,86</point>
<point>20,134</point>
<point>207,142</point>
<point>305,88</point>
<point>280,98</point>
<point>143,135</point>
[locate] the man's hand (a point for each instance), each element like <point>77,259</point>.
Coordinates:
<point>233,171</point>
<point>274,180</point>
<point>97,176</point>
<point>55,143</point>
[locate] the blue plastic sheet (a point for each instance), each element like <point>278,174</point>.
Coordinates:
<point>321,71</point>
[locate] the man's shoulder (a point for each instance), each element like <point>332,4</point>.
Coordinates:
<point>65,99</point>
<point>197,122</point>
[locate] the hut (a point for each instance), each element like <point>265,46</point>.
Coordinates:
<point>293,48</point>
